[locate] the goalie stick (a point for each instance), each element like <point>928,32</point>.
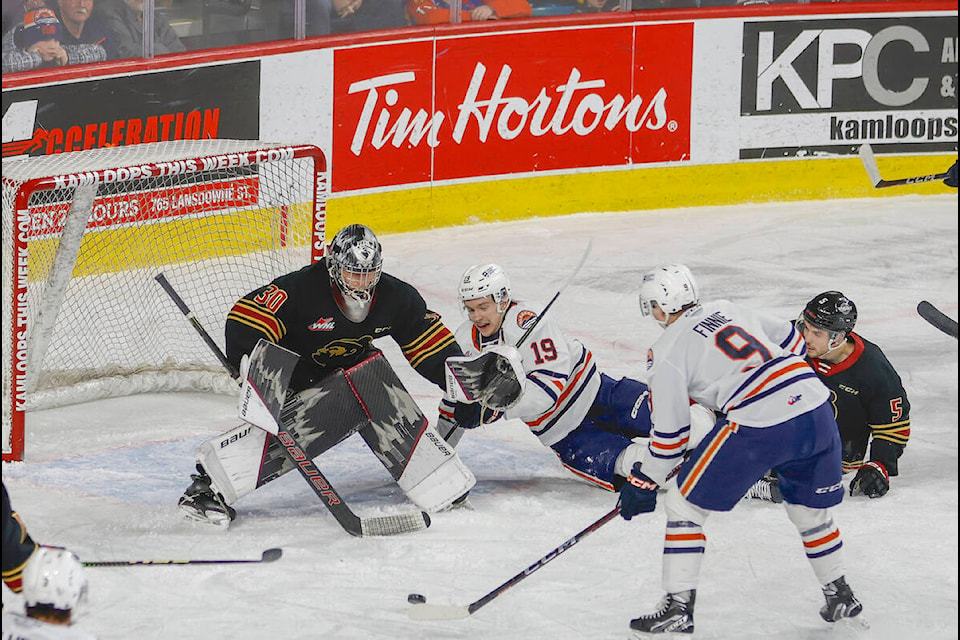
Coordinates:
<point>351,523</point>
<point>269,555</point>
<point>937,318</point>
<point>423,610</point>
<point>870,164</point>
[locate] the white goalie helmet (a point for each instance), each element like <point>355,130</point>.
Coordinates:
<point>482,280</point>
<point>54,577</point>
<point>355,262</point>
<point>671,286</point>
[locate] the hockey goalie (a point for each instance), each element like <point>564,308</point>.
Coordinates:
<point>329,313</point>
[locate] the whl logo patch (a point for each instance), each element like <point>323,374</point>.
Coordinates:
<point>323,324</point>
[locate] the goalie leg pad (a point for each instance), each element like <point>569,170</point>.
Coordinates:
<point>424,465</point>
<point>435,477</point>
<point>232,460</point>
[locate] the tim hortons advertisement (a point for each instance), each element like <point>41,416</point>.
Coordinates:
<point>187,104</point>
<point>511,103</point>
<point>830,85</point>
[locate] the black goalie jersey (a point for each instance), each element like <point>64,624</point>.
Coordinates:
<point>870,403</point>
<point>298,312</point>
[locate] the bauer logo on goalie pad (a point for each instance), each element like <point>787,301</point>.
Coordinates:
<point>265,385</point>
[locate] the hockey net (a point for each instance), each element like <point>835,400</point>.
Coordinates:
<point>85,234</point>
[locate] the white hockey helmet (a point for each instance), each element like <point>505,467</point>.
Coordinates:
<point>482,280</point>
<point>54,577</point>
<point>355,263</point>
<point>671,286</point>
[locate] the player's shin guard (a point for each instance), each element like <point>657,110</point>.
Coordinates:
<point>821,540</point>
<point>684,543</point>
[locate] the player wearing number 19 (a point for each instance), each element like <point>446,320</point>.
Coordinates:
<point>586,417</point>
<point>749,367</point>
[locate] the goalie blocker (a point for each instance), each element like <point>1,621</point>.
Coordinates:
<point>368,398</point>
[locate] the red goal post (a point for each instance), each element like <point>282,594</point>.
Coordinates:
<point>85,233</point>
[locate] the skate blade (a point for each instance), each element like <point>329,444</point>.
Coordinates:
<point>646,635</point>
<point>855,625</point>
<point>193,515</point>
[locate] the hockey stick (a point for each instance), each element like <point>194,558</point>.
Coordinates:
<point>351,523</point>
<point>870,164</point>
<point>421,610</point>
<point>937,318</point>
<point>576,270</point>
<point>268,556</point>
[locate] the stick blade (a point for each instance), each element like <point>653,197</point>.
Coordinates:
<point>394,525</point>
<point>271,554</point>
<point>870,164</point>
<point>427,611</point>
<point>937,318</point>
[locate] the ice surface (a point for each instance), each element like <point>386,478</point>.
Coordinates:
<point>103,478</point>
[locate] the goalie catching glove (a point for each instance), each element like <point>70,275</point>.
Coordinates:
<point>494,378</point>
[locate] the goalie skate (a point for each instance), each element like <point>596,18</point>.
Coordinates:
<point>200,503</point>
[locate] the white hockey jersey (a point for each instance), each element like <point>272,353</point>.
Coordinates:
<point>562,380</point>
<point>745,364</point>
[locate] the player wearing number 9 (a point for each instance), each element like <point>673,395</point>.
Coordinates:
<point>586,417</point>
<point>749,367</point>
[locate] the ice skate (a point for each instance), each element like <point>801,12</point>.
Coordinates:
<point>199,502</point>
<point>766,488</point>
<point>841,603</point>
<point>675,616</point>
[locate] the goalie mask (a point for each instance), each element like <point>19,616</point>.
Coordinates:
<point>482,280</point>
<point>355,263</point>
<point>830,311</point>
<point>672,287</point>
<point>54,578</point>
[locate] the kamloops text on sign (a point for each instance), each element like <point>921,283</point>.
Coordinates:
<point>830,85</point>
<point>491,106</point>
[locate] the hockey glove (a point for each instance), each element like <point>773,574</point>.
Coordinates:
<point>467,415</point>
<point>871,480</point>
<point>638,495</point>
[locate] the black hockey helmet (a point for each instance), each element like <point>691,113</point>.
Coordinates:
<point>831,311</point>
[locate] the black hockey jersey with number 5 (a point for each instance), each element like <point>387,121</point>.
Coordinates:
<point>870,402</point>
<point>298,312</point>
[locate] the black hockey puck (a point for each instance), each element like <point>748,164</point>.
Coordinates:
<point>416,598</point>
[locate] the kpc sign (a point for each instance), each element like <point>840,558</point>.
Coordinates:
<point>511,103</point>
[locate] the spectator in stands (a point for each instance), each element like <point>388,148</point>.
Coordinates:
<point>124,23</point>
<point>367,15</point>
<point>319,14</point>
<point>438,11</point>
<point>37,43</point>
<point>80,26</point>
<point>14,10</point>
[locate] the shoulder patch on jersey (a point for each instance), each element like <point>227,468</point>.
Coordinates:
<point>524,318</point>
<point>649,359</point>
<point>323,324</point>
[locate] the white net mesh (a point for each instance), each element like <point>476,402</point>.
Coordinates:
<point>84,318</point>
